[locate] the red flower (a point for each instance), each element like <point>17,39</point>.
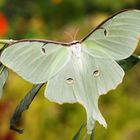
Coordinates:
<point>3,24</point>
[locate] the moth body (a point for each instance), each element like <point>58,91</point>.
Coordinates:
<point>76,50</point>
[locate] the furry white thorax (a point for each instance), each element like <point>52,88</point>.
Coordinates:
<point>76,50</point>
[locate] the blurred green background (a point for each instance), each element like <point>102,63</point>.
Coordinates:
<point>59,20</point>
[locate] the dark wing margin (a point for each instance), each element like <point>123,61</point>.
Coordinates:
<point>99,26</point>
<point>41,41</point>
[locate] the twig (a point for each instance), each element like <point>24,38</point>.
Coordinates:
<point>23,105</point>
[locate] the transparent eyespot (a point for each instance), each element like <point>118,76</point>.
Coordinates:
<point>69,81</point>
<point>96,73</point>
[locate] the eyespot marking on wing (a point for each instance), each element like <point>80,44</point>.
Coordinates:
<point>105,32</point>
<point>43,50</point>
<point>96,73</point>
<point>70,81</point>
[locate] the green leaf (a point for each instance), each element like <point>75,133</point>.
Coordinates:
<point>92,135</point>
<point>129,62</point>
<point>23,105</point>
<point>77,135</point>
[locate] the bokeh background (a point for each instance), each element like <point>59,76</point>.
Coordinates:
<point>60,20</point>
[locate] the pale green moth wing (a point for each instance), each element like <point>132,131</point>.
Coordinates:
<point>117,36</point>
<point>83,81</point>
<point>35,61</point>
<point>3,77</point>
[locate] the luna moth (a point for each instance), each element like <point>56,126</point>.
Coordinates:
<point>79,71</point>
